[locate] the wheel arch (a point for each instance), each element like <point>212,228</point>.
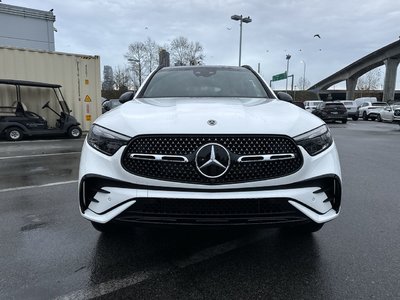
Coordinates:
<point>8,125</point>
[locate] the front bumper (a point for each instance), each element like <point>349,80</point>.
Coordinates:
<point>107,193</point>
<point>103,199</point>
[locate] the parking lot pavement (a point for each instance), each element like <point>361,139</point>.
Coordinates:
<point>38,162</point>
<point>49,251</point>
<point>39,147</point>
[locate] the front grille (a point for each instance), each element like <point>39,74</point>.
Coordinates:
<point>187,146</point>
<point>212,211</point>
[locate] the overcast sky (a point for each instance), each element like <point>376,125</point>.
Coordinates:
<point>348,29</point>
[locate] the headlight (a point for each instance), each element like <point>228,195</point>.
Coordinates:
<point>105,140</point>
<point>316,140</point>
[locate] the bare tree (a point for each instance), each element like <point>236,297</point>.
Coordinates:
<point>303,83</point>
<point>137,57</point>
<point>370,81</point>
<point>143,57</point>
<point>152,50</point>
<point>184,52</point>
<point>122,78</point>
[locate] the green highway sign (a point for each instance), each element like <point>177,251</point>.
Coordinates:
<point>279,76</point>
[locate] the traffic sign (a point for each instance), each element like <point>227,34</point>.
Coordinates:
<point>278,77</point>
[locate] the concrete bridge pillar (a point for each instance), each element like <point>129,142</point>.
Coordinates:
<point>351,83</point>
<point>390,78</point>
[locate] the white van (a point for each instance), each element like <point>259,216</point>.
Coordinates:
<point>310,105</point>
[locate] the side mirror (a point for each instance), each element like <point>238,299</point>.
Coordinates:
<point>125,97</point>
<point>285,97</point>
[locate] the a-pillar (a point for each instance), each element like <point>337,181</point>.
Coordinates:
<point>390,79</point>
<point>351,87</point>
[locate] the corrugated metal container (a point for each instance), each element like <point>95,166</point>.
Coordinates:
<point>79,76</point>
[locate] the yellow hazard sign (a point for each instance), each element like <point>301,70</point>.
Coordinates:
<point>89,118</point>
<point>87,99</point>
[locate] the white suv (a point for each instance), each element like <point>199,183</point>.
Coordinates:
<point>370,110</point>
<point>209,146</point>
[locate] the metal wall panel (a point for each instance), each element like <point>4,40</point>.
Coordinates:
<point>24,27</point>
<point>79,76</point>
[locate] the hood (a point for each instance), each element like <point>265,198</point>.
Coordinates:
<point>190,116</point>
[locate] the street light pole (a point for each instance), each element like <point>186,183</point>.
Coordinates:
<point>245,20</point>
<point>288,56</point>
<point>304,74</point>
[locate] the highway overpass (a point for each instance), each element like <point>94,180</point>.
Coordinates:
<point>388,56</point>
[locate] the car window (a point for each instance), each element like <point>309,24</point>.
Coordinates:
<point>335,104</point>
<point>205,82</point>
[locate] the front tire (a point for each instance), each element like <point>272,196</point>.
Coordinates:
<point>14,134</point>
<point>344,121</point>
<point>364,116</point>
<point>355,118</point>
<point>379,118</point>
<point>74,132</point>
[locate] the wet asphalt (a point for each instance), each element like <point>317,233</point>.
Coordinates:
<point>48,251</point>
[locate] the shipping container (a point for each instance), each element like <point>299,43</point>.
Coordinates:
<point>78,74</point>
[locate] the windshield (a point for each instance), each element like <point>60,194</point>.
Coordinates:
<point>205,82</point>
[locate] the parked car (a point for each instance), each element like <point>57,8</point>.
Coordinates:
<point>390,114</point>
<point>109,104</point>
<point>331,111</point>
<point>370,110</point>
<point>310,105</point>
<point>360,101</point>
<point>352,109</point>
<point>209,146</point>
<point>16,122</point>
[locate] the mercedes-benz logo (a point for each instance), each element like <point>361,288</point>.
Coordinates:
<point>211,122</point>
<point>212,160</point>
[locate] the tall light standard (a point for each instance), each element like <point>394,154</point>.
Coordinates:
<point>304,74</point>
<point>245,20</point>
<point>288,56</point>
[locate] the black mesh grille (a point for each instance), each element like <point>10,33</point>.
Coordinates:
<point>397,112</point>
<point>188,146</point>
<point>212,211</point>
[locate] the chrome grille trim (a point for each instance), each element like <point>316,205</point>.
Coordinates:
<point>265,157</point>
<point>159,157</point>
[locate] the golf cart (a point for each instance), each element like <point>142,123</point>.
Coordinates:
<point>16,121</point>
